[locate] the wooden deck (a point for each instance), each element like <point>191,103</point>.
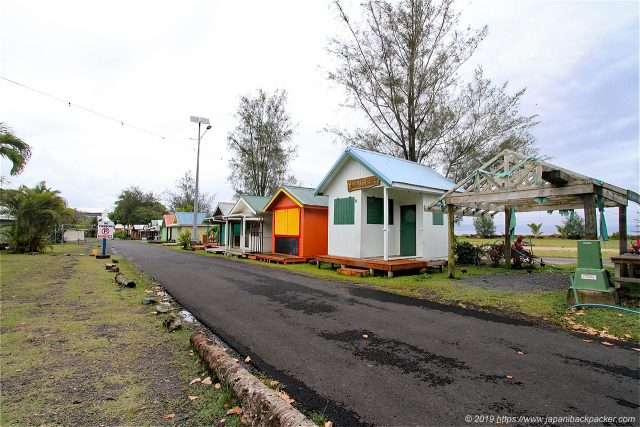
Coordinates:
<point>280,258</point>
<point>378,264</point>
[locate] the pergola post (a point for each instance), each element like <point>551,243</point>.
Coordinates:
<point>451,261</point>
<point>622,228</point>
<point>590,229</point>
<point>507,237</point>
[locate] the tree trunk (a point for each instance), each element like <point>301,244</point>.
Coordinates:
<point>123,281</point>
<point>262,405</point>
<point>112,267</point>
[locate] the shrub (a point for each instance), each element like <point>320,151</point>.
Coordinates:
<point>484,226</point>
<point>185,239</point>
<point>572,227</point>
<point>468,253</point>
<point>495,253</point>
<point>120,234</point>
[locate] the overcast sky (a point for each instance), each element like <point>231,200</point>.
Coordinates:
<point>152,64</point>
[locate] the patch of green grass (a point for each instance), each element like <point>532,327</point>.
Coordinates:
<point>69,334</point>
<point>318,418</point>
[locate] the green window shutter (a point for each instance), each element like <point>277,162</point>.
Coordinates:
<point>344,211</point>
<point>438,218</point>
<point>375,214</point>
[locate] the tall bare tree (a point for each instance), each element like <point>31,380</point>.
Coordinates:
<point>261,145</point>
<point>183,197</point>
<point>401,68</point>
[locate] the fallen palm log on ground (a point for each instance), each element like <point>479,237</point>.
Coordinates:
<point>262,405</point>
<point>123,281</point>
<point>112,267</point>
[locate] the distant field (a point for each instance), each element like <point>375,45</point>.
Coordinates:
<point>551,247</point>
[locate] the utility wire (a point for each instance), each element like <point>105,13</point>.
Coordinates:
<point>121,122</point>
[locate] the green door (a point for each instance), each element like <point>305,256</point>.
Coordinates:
<point>408,230</point>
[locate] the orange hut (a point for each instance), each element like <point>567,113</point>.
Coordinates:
<point>300,222</point>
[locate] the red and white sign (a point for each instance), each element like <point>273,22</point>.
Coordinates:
<point>105,230</point>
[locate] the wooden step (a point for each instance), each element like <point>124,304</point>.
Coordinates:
<point>354,272</point>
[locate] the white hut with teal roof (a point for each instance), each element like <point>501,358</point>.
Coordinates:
<point>248,226</point>
<point>377,208</point>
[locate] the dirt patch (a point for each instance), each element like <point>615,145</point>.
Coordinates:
<point>534,281</point>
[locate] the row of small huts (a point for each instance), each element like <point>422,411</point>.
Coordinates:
<point>368,206</point>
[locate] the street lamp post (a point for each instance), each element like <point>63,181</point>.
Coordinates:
<point>200,121</point>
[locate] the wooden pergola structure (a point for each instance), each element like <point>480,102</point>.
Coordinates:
<point>512,180</point>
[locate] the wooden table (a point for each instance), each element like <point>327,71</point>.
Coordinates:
<point>627,270</point>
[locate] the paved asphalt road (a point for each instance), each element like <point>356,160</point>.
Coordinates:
<point>422,363</point>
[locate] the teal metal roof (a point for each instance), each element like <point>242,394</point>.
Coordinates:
<point>186,218</point>
<point>306,196</point>
<point>391,170</point>
<point>257,203</point>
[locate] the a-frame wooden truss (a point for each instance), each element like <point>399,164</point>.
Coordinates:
<point>512,180</point>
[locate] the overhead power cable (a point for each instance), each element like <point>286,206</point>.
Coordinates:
<point>97,113</point>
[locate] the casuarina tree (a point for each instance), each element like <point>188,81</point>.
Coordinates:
<point>260,145</point>
<point>401,69</point>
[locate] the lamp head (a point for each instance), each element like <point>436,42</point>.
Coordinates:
<point>208,127</point>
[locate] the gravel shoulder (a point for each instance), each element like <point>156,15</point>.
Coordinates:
<point>531,282</point>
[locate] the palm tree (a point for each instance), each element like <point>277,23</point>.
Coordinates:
<point>14,149</point>
<point>536,229</point>
<point>36,210</point>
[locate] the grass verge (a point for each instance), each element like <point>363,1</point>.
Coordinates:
<point>78,350</point>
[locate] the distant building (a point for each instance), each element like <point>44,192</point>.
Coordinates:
<point>6,221</point>
<point>73,235</point>
<point>179,222</point>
